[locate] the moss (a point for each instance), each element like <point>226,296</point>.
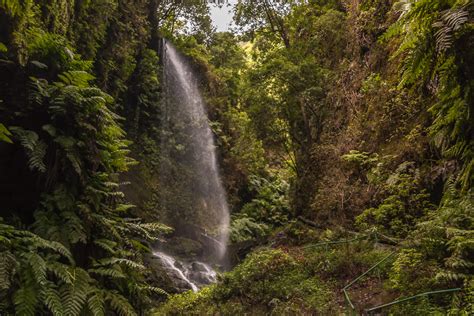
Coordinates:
<point>268,281</point>
<point>345,262</point>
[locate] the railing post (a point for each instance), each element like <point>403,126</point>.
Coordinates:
<point>378,269</point>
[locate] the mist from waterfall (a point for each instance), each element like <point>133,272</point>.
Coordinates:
<point>196,201</point>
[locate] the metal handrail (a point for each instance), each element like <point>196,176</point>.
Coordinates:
<point>343,241</point>
<point>375,234</point>
<point>401,300</point>
<point>346,294</point>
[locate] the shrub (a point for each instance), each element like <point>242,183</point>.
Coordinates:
<point>406,203</point>
<point>269,281</point>
<point>270,205</point>
<point>245,228</point>
<point>410,272</point>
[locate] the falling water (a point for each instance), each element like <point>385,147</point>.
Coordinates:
<point>194,275</point>
<point>196,200</point>
<point>170,263</point>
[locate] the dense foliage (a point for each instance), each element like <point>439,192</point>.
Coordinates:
<point>334,120</point>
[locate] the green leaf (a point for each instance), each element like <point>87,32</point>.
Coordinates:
<point>39,64</point>
<point>4,133</point>
<point>95,302</point>
<point>52,300</point>
<point>119,304</point>
<point>50,129</point>
<point>26,300</point>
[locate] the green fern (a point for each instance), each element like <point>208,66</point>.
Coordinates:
<point>35,148</point>
<point>451,21</point>
<point>432,57</point>
<point>79,79</point>
<point>12,7</point>
<point>52,300</point>
<point>119,304</point>
<point>74,296</point>
<point>95,303</point>
<point>60,271</point>
<point>129,263</point>
<point>83,207</point>
<point>451,232</point>
<point>112,272</point>
<point>5,134</point>
<point>106,244</point>
<point>26,300</point>
<point>152,289</point>
<point>7,267</point>
<point>37,266</point>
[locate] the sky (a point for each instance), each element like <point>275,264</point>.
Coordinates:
<point>221,17</point>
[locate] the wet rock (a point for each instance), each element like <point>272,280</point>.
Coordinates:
<point>157,276</point>
<point>181,274</point>
<point>198,267</point>
<point>184,247</point>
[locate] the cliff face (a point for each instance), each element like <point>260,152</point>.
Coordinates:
<point>347,116</point>
<point>69,237</point>
<point>365,120</point>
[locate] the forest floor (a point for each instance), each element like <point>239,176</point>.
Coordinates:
<point>293,273</point>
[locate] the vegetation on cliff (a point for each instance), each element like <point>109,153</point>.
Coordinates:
<point>344,130</point>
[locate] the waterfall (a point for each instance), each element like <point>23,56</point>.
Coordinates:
<point>194,275</point>
<point>170,264</point>
<point>192,194</point>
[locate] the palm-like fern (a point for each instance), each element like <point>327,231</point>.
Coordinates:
<point>26,262</point>
<point>83,209</point>
<point>451,21</point>
<point>451,231</point>
<point>431,50</point>
<point>34,147</point>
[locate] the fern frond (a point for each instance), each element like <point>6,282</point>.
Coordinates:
<point>38,91</point>
<point>52,300</point>
<point>12,7</point>
<point>119,304</point>
<point>95,303</point>
<point>4,134</point>
<point>73,227</point>
<point>74,296</point>
<point>451,21</point>
<point>37,266</point>
<point>7,269</point>
<point>106,244</point>
<point>35,148</point>
<point>37,156</point>
<point>26,300</point>
<point>61,271</point>
<point>124,207</point>
<point>129,263</point>
<point>39,242</point>
<point>115,273</point>
<point>451,276</point>
<point>149,231</point>
<point>153,289</point>
<point>75,162</point>
<point>76,78</point>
